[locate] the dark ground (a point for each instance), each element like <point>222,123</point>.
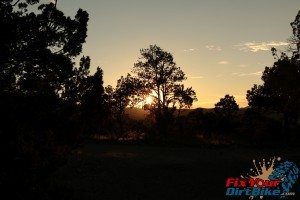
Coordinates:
<point>102,171</point>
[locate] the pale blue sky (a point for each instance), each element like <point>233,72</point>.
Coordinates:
<point>222,45</point>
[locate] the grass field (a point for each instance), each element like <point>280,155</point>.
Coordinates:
<point>103,172</point>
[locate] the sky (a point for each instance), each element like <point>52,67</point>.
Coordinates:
<point>223,46</point>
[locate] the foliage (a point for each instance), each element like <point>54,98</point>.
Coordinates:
<point>227,106</point>
<point>280,91</point>
<point>295,39</point>
<point>94,108</point>
<point>162,77</point>
<point>44,97</point>
<point>125,94</point>
<point>183,97</point>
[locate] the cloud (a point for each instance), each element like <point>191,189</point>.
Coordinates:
<point>213,48</point>
<point>196,77</point>
<point>259,46</point>
<point>259,73</point>
<point>190,50</point>
<point>223,62</point>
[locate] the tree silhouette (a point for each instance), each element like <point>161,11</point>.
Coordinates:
<point>127,93</point>
<point>184,97</point>
<point>280,91</point>
<point>161,76</point>
<point>227,106</point>
<point>41,89</point>
<point>93,105</point>
<point>76,87</point>
<point>42,47</point>
<point>295,39</point>
<point>225,114</point>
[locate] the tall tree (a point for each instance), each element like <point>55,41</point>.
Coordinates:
<point>37,53</point>
<point>280,90</point>
<point>42,47</point>
<point>93,104</point>
<point>160,74</point>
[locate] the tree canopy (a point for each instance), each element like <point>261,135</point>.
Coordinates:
<point>280,88</point>
<point>158,71</point>
<point>43,93</point>
<point>38,48</point>
<point>162,78</point>
<point>295,39</point>
<point>227,106</point>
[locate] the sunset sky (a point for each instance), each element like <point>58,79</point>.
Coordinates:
<point>221,45</point>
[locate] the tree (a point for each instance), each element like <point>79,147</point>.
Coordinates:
<point>295,39</point>
<point>257,97</point>
<point>160,75</point>
<point>227,106</point>
<point>78,85</point>
<point>37,53</point>
<point>184,97</point>
<point>280,90</point>
<point>42,46</point>
<point>225,115</point>
<point>127,93</point>
<point>93,105</point>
